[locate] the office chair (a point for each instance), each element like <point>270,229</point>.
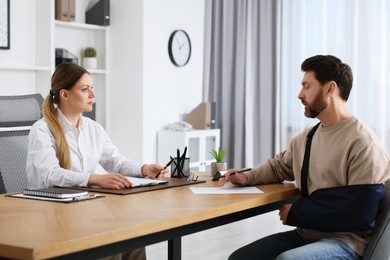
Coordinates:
<point>378,247</point>
<point>17,115</point>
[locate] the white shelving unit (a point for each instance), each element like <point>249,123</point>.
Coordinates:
<point>199,144</point>
<point>31,60</point>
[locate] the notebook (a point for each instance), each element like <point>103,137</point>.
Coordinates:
<point>60,193</point>
<point>64,200</point>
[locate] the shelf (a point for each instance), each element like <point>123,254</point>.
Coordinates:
<point>26,68</point>
<point>82,26</point>
<point>30,62</point>
<point>93,71</point>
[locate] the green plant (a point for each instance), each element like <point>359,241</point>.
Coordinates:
<point>218,154</point>
<point>90,52</point>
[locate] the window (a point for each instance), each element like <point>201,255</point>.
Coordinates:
<point>357,32</point>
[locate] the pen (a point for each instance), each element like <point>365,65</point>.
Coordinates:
<point>174,162</point>
<point>169,163</point>
<point>179,169</point>
<point>183,158</point>
<point>239,171</point>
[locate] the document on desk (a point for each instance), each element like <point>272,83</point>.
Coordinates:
<point>226,190</point>
<point>141,182</point>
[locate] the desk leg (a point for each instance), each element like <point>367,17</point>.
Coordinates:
<point>174,249</point>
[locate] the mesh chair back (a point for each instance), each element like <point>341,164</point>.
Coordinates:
<point>17,115</point>
<point>22,110</point>
<point>13,156</point>
<point>378,248</point>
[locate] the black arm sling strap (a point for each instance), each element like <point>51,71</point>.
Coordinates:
<point>305,165</point>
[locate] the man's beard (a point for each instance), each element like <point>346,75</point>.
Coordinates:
<point>318,106</point>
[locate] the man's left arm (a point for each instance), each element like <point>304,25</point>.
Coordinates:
<point>347,208</point>
<point>339,209</point>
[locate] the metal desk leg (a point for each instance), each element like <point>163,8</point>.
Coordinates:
<point>174,249</point>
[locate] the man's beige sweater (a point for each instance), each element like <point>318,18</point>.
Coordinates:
<point>346,153</point>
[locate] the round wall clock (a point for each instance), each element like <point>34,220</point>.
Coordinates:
<point>179,48</point>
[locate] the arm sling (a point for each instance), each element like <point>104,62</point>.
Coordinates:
<point>335,209</point>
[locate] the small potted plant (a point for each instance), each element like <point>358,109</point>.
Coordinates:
<point>219,164</point>
<point>89,60</point>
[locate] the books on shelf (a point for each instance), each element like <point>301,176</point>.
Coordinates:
<point>59,193</point>
<point>65,10</point>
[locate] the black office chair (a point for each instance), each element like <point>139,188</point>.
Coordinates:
<point>378,248</point>
<point>17,115</point>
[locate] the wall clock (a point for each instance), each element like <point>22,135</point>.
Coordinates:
<point>179,48</point>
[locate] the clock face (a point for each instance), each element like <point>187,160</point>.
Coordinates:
<point>179,48</point>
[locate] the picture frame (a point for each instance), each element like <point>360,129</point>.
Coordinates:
<point>4,24</point>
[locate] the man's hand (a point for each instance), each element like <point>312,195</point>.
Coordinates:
<point>110,181</point>
<point>234,177</point>
<point>283,212</point>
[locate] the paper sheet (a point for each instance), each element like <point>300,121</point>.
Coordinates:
<point>225,190</point>
<point>141,182</point>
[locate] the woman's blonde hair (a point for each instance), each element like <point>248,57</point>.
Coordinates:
<point>65,76</point>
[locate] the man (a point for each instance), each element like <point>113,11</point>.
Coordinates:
<point>343,186</point>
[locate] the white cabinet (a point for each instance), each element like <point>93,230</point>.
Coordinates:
<point>198,142</point>
<point>27,66</point>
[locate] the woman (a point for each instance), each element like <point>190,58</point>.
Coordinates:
<point>65,148</point>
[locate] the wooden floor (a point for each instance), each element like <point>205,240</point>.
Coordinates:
<point>218,243</point>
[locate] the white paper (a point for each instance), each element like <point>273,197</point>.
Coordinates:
<point>225,190</point>
<point>140,182</point>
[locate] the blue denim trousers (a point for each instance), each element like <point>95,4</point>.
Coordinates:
<point>290,246</point>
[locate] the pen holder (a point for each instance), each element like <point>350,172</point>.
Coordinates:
<point>182,170</point>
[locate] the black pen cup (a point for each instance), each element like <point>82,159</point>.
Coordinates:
<point>182,170</point>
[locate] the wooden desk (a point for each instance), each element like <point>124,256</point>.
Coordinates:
<point>31,229</point>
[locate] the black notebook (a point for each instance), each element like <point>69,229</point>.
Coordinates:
<point>60,193</point>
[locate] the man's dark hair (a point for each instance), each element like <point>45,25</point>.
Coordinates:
<point>330,68</point>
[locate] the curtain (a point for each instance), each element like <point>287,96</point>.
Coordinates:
<point>356,31</point>
<point>253,53</point>
<point>240,76</point>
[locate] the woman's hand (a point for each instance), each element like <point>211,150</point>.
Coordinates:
<point>110,181</point>
<point>153,171</point>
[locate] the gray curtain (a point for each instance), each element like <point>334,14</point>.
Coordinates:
<point>241,43</point>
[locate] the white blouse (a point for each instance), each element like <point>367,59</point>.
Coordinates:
<point>89,146</point>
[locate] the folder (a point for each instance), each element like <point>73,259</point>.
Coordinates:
<point>72,10</point>
<point>172,182</point>
<point>62,10</point>
<point>65,10</point>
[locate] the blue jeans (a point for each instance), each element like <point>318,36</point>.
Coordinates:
<point>290,246</point>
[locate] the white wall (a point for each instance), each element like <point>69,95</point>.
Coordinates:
<point>126,59</point>
<point>22,31</point>
<point>148,90</point>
